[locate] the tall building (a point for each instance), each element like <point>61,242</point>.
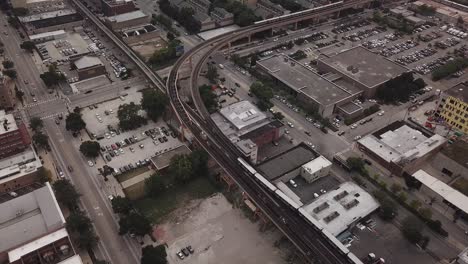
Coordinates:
<point>14,137</point>
<point>453,107</point>
<point>32,230</point>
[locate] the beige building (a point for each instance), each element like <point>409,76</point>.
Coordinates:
<point>127,20</point>
<point>316,169</point>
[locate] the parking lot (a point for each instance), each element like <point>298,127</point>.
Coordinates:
<point>308,192</point>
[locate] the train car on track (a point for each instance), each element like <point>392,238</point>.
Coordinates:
<point>246,166</point>
<point>288,200</point>
<point>265,182</point>
<point>336,242</point>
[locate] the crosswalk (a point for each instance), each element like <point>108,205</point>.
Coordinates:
<point>38,103</point>
<point>52,115</point>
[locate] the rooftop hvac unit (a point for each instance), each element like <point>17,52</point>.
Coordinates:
<point>321,207</point>
<point>340,196</point>
<point>65,249</point>
<point>331,217</point>
<point>351,204</point>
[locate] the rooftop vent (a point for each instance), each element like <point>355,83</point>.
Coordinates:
<point>350,68</point>
<point>321,207</point>
<point>292,64</point>
<point>355,70</point>
<point>351,204</point>
<point>331,217</point>
<point>340,196</point>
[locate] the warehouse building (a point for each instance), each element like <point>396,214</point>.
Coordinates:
<point>401,147</point>
<point>127,20</point>
<point>88,67</point>
<point>311,89</point>
<point>453,107</point>
<point>35,228</point>
<point>340,209</point>
<point>364,69</point>
<point>140,34</point>
<point>48,36</point>
<point>222,17</point>
<point>64,19</point>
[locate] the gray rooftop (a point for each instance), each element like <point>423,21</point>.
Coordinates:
<point>202,17</point>
<point>7,122</point>
<point>350,107</point>
<point>164,159</point>
<point>87,62</point>
<point>28,217</point>
<point>127,16</point>
<point>243,115</point>
<point>46,15</point>
<point>459,91</point>
<point>372,69</point>
<point>286,162</point>
<point>221,13</point>
<point>303,80</point>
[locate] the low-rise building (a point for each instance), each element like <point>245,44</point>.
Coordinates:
<point>401,147</point>
<point>117,7</point>
<point>140,34</point>
<point>127,20</point>
<point>88,67</point>
<point>201,6</point>
<point>266,9</point>
<point>19,170</point>
<point>14,136</point>
<point>32,228</point>
<point>204,20</point>
<point>222,17</point>
<point>453,107</point>
<point>340,209</point>
<point>37,5</point>
<point>63,19</point>
<point>47,36</point>
<point>316,169</point>
<point>366,70</point>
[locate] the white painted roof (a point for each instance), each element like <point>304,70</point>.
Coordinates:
<point>316,164</point>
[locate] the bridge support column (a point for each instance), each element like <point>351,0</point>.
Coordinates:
<point>338,14</point>
<point>249,38</point>
<point>295,26</point>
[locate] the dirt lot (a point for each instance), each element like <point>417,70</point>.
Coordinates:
<point>218,234</point>
<point>148,48</point>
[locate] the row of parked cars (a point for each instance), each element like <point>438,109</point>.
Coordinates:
<point>449,42</point>
<point>380,42</point>
<point>350,26</point>
<point>363,34</point>
<point>430,66</point>
<point>416,56</point>
<point>398,48</point>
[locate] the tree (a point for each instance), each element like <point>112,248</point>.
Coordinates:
<point>121,205</point>
<point>395,188</point>
<point>44,175</point>
<point>278,115</point>
<point>180,167</point>
<point>253,59</point>
<point>154,103</point>
<point>19,94</point>
<point>212,73</point>
<point>415,204</point>
<point>77,221</point>
<point>36,124</point>
<point>153,255</point>
<point>355,163</point>
<point>90,149</point>
<point>52,77</point>
<point>87,239</point>
<point>28,46</point>
<point>129,118</point>
<point>264,94</point>
<point>155,185</point>
<point>170,36</point>
<point>208,97</point>
<point>66,193</point>
<point>411,228</point>
<point>10,73</point>
<point>41,140</point>
<point>134,223</point>
<point>199,159</point>
<point>7,64</point>
<point>425,213</point>
<point>388,210</point>
<point>74,122</point>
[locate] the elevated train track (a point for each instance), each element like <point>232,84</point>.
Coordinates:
<point>315,244</point>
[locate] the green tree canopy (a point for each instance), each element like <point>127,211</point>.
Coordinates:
<point>212,73</point>
<point>153,255</point>
<point>181,168</point>
<point>208,97</point>
<point>77,221</point>
<point>36,124</point>
<point>355,163</point>
<point>52,77</point>
<point>411,228</point>
<point>87,239</point>
<point>122,205</point>
<point>199,159</point>
<point>134,223</point>
<point>264,94</point>
<point>74,122</point>
<point>8,64</point>
<point>10,73</point>
<point>28,46</point>
<point>155,185</point>
<point>154,103</point>
<point>90,149</point>
<point>129,118</point>
<point>41,140</point>
<point>66,193</point>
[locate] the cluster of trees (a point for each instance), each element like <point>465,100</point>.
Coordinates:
<point>289,5</point>
<point>165,22</point>
<point>52,76</point>
<point>449,68</point>
<point>412,228</point>
<point>208,97</point>
<point>182,169</point>
<point>130,221</point>
<point>28,45</point>
<point>129,118</point>
<point>74,122</point>
<point>39,137</point>
<point>425,10</point>
<point>165,55</point>
<point>398,23</point>
<point>212,73</point>
<point>264,93</point>
<point>153,255</point>
<point>399,88</point>
<point>388,209</point>
<point>299,55</point>
<point>183,15</point>
<point>78,224</point>
<point>90,149</point>
<point>154,102</point>
<point>243,16</point>
<point>8,69</point>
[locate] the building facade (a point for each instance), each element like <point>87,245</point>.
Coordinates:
<point>14,138</point>
<point>112,8</point>
<point>7,101</point>
<point>453,107</point>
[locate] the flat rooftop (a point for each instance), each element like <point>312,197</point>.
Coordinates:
<point>364,66</point>
<point>163,160</point>
<point>47,15</point>
<point>338,209</point>
<point>7,122</point>
<point>448,193</point>
<point>29,217</point>
<point>401,144</point>
<point>127,16</point>
<point>287,161</point>
<point>350,107</point>
<point>19,165</point>
<point>459,91</point>
<point>47,34</point>
<point>303,80</point>
<point>261,130</point>
<point>242,114</point>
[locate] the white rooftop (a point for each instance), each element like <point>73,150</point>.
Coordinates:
<point>127,16</point>
<point>7,122</point>
<point>316,164</point>
<point>76,259</point>
<point>243,114</point>
<point>87,61</point>
<point>403,144</point>
<point>47,34</point>
<point>340,208</point>
<point>29,217</point>
<point>463,257</point>
<point>19,165</point>
<point>448,193</point>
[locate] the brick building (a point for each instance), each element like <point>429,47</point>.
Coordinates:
<point>88,67</point>
<point>14,138</point>
<point>112,8</point>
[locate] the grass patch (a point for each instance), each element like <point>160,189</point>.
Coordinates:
<point>130,174</point>
<point>461,185</point>
<point>457,151</point>
<point>156,208</point>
